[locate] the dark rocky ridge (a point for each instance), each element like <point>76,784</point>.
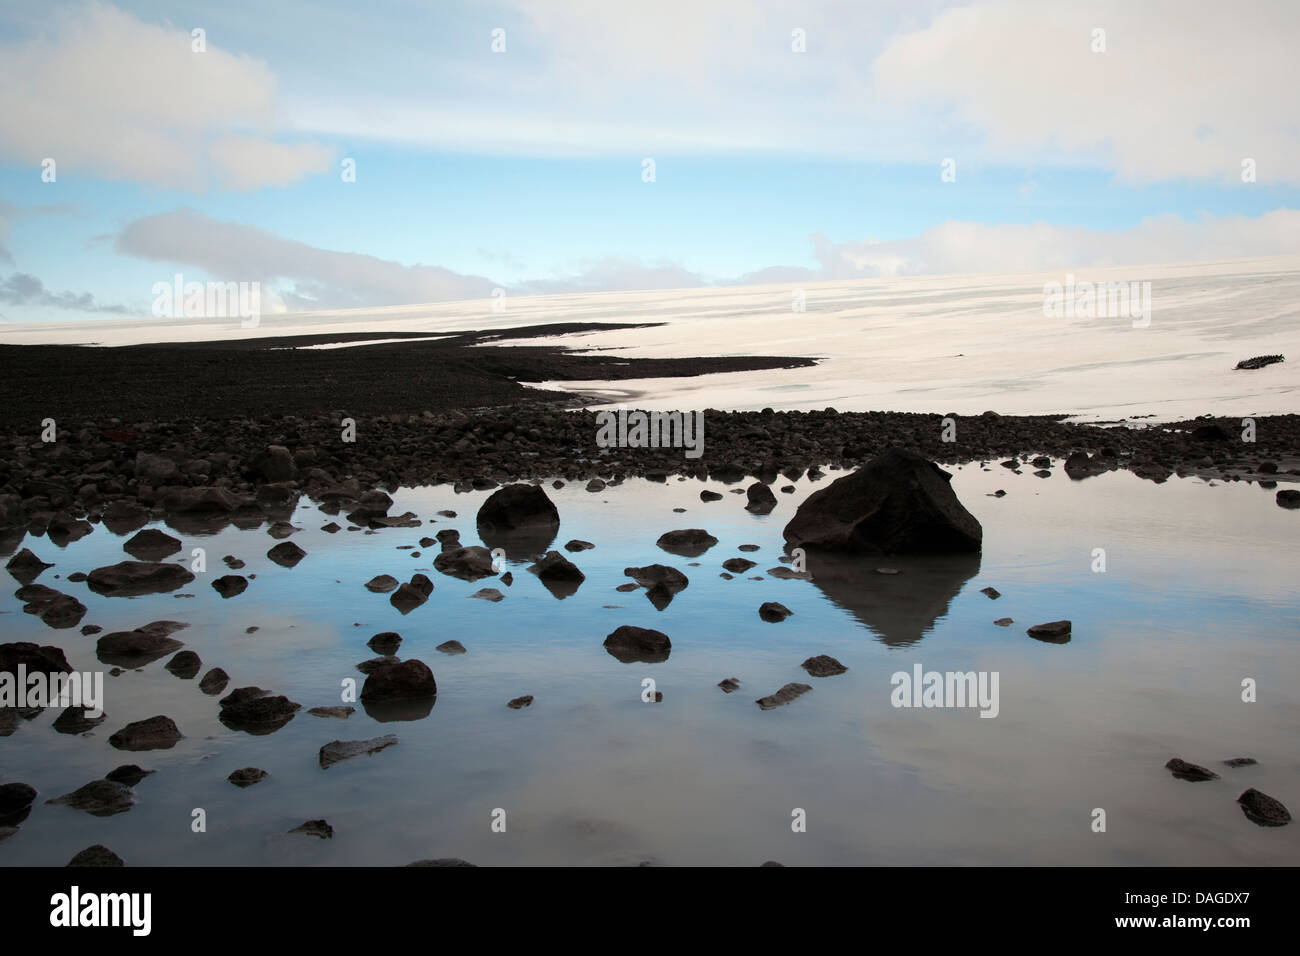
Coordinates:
<point>438,412</point>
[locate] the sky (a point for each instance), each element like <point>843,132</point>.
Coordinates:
<point>546,146</point>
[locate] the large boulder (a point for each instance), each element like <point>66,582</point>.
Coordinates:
<point>401,680</point>
<point>638,645</point>
<point>518,507</point>
<point>897,503</point>
<point>130,578</point>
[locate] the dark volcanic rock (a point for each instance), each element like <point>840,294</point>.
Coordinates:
<point>335,712</point>
<point>518,507</point>
<point>493,595</point>
<point>688,542</point>
<point>129,774</point>
<point>729,685</point>
<point>214,682</point>
<point>316,828</point>
<point>139,647</point>
<point>1189,771</point>
<point>382,583</point>
<point>185,665</point>
<point>96,856</point>
<point>823,666</point>
<point>338,750</point>
<point>451,647</point>
<point>412,594</point>
<point>247,777</point>
<point>772,612</point>
<point>467,563</point>
<point>73,720</point>
<point>761,499</point>
<point>632,645</point>
<point>152,545</point>
<point>386,643</point>
<point>738,565</point>
<point>444,861</point>
<point>560,575</point>
<point>897,503</point>
<point>34,659</point>
<point>991,592</point>
<point>1263,810</point>
<point>131,578</point>
<point>26,567</point>
<point>154,733</point>
<point>228,585</point>
<point>658,575</point>
<point>1054,632</point>
<point>256,711</point>
<point>100,798</point>
<point>576,545</point>
<point>1288,498</point>
<point>783,696</point>
<point>1259,361</point>
<point>519,702</point>
<point>286,554</point>
<point>707,495</point>
<point>405,680</point>
<point>14,799</point>
<point>1235,762</point>
<point>54,608</point>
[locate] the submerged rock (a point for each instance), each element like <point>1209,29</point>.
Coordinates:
<point>152,544</point>
<point>229,585</point>
<point>773,613</point>
<point>445,861</point>
<point>100,798</point>
<point>688,543</point>
<point>451,647</point>
<point>339,750</point>
<point>133,578</point>
<point>467,563</point>
<point>385,643</point>
<point>185,665</point>
<point>404,680</point>
<point>214,682</point>
<point>139,647</point>
<point>154,733</point>
<point>559,575</point>
<point>823,666</point>
<point>1053,632</point>
<point>96,856</point>
<point>1263,810</point>
<point>129,774</point>
<point>519,702</point>
<point>54,608</point>
<point>382,583</point>
<point>631,645</point>
<point>256,711</point>
<point>1189,771</point>
<point>1235,762</point>
<point>286,554</point>
<point>729,685</point>
<point>316,828</point>
<point>73,720</point>
<point>783,696</point>
<point>247,777</point>
<point>26,567</point>
<point>337,712</point>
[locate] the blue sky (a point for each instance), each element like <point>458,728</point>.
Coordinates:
<point>522,168</point>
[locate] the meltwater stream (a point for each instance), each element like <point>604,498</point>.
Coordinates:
<point>1198,594</point>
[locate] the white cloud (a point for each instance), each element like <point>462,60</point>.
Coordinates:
<point>1184,89</point>
<point>102,92</point>
<point>300,275</point>
<point>973,247</point>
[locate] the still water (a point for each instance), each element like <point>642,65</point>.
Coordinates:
<point>1197,595</point>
